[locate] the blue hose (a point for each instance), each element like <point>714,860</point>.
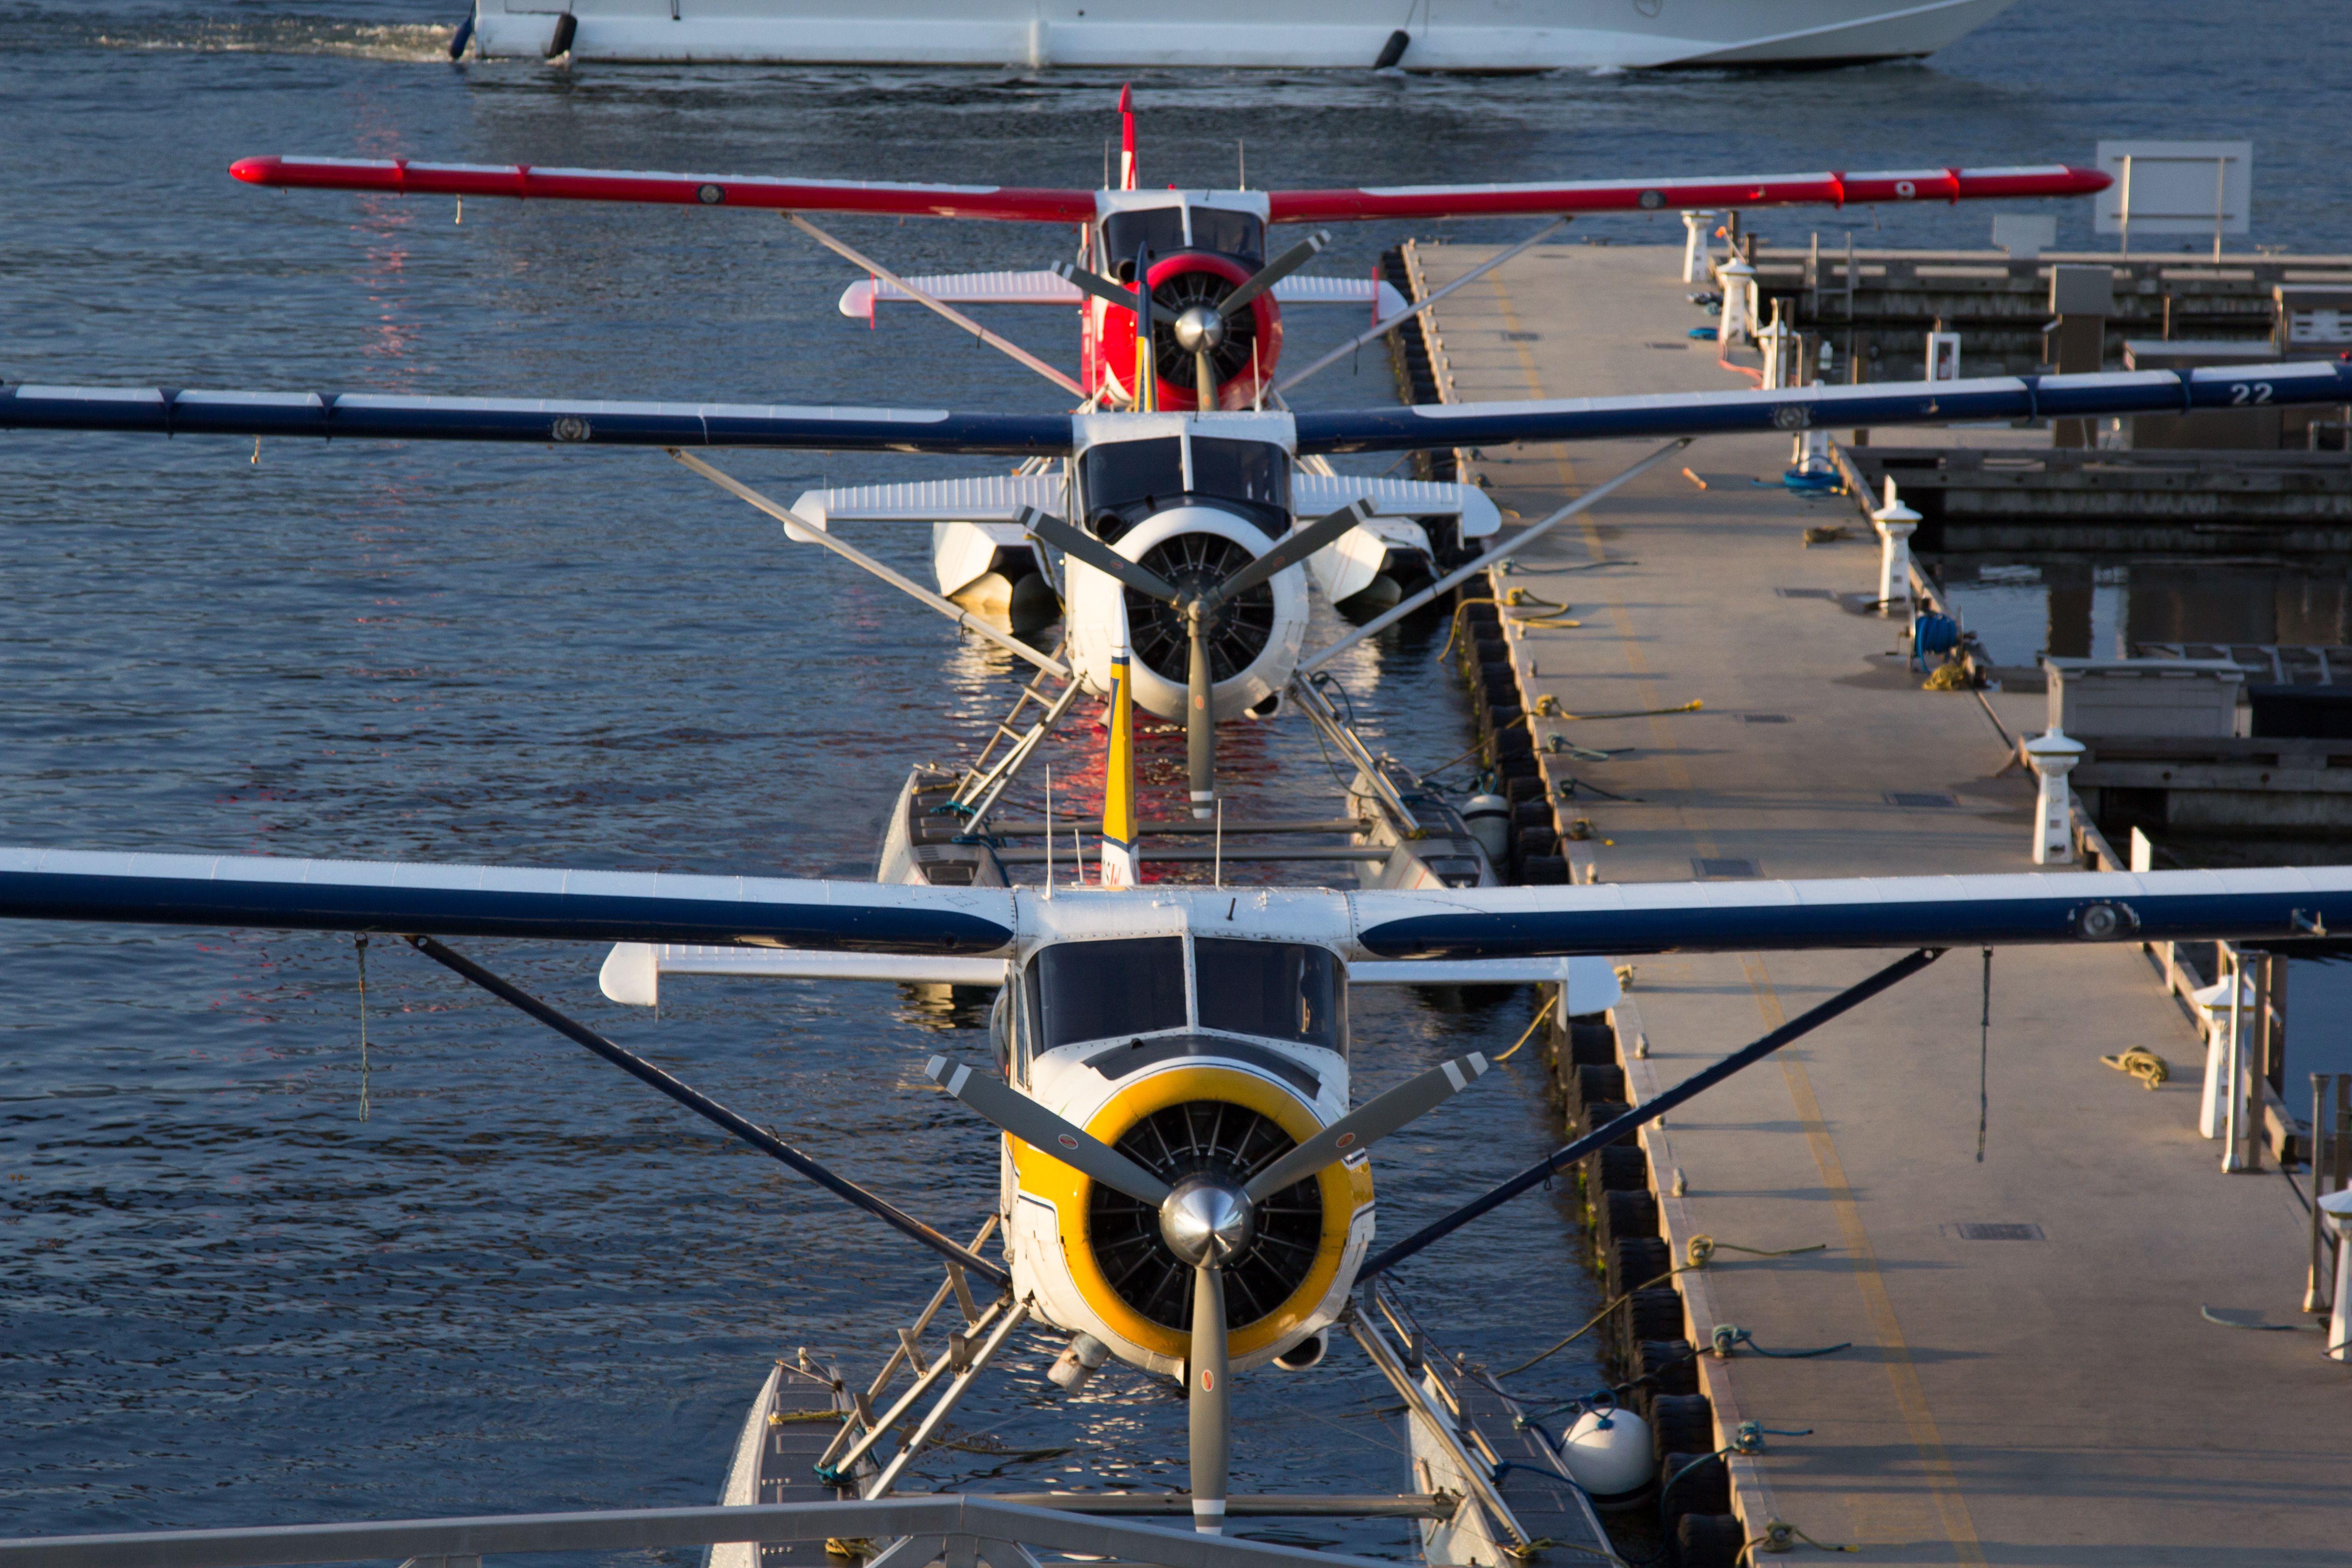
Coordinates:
<point>1933,634</point>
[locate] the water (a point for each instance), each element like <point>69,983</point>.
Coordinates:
<point>2022,607</point>
<point>522,1283</point>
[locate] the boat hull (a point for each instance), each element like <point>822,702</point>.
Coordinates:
<point>1475,35</point>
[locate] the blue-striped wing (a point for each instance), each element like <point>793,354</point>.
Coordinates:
<point>498,900</point>
<point>582,422</point>
<point>1618,917</point>
<point>1797,408</point>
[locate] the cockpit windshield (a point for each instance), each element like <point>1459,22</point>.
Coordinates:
<point>1127,481</point>
<point>1101,990</point>
<point>1257,472</point>
<point>1278,990</point>
<point>1228,232</point>
<point>1159,230</point>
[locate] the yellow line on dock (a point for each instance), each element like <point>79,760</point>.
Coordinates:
<point>1910,1396</point>
<point>1664,742</point>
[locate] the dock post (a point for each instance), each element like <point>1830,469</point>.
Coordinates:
<point>2053,757</point>
<point>2338,1207</point>
<point>2247,1004</point>
<point>1696,228</point>
<point>1780,344</point>
<point>1896,523</point>
<point>1738,319</point>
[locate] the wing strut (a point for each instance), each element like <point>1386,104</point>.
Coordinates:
<point>1003,345</point>
<point>1452,579</point>
<point>805,532</point>
<point>1602,1137</point>
<point>1387,324</point>
<point>702,1105</point>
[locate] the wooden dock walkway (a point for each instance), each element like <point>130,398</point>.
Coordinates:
<point>2030,1380</point>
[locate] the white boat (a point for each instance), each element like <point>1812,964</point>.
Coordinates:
<point>1412,35</point>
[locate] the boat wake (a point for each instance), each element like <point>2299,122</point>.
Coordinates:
<point>413,42</point>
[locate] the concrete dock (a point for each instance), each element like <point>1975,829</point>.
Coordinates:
<point>2054,1396</point>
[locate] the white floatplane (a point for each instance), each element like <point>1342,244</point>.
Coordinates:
<point>1210,307</point>
<point>1187,1185</point>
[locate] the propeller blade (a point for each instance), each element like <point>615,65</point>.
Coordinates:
<point>1199,718</point>
<point>1368,1123</point>
<point>1205,379</point>
<point>1209,1401</point>
<point>1274,272</point>
<point>1074,540</point>
<point>1095,283</point>
<point>1016,1113</point>
<point>1291,549</point>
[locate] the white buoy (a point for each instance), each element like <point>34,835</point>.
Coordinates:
<point>1488,818</point>
<point>1608,1452</point>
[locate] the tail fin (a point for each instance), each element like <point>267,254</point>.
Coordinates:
<point>1126,138</point>
<point>1119,859</point>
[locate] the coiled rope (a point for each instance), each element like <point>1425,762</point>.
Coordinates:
<point>2142,1064</point>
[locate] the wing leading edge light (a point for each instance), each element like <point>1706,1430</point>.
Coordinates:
<point>1484,923</point>
<point>591,422</point>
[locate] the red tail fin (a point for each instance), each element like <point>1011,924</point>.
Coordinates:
<point>1126,138</point>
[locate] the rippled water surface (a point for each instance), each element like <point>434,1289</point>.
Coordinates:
<point>518,1282</point>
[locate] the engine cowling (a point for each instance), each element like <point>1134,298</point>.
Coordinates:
<point>1095,1260</point>
<point>1251,348</point>
<point>1253,638</point>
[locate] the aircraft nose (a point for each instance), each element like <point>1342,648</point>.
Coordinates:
<point>1205,1222</point>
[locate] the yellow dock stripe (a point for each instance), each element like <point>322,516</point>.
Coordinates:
<point>1910,1395</point>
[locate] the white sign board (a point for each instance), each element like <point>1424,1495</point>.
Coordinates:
<point>2176,187</point>
<point>2024,234</point>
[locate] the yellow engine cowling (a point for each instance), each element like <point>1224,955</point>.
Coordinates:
<point>1084,1272</point>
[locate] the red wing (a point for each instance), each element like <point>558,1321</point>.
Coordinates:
<point>401,176</point>
<point>1834,189</point>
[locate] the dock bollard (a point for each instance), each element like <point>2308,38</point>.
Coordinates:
<point>1896,523</point>
<point>2338,1208</point>
<point>1696,227</point>
<point>1780,344</point>
<point>2053,757</point>
<point>1738,281</point>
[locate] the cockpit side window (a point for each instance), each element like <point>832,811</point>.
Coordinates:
<point>1159,229</point>
<point>1230,233</point>
<point>1103,990</point>
<point>1277,990</point>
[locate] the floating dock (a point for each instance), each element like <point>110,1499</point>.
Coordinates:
<point>2030,1374</point>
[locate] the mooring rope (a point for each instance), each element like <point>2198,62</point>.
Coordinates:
<point>1984,1059</point>
<point>360,945</point>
